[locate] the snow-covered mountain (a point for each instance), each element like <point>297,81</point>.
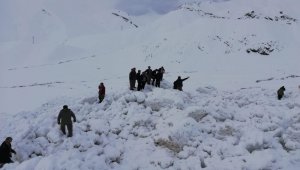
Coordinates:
<point>236,52</point>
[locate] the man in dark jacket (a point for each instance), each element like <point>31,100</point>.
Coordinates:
<point>132,78</point>
<point>64,119</point>
<point>280,92</point>
<point>5,151</point>
<point>158,77</point>
<point>153,76</point>
<point>148,74</point>
<point>101,92</point>
<point>144,79</point>
<point>178,83</point>
<point>139,79</point>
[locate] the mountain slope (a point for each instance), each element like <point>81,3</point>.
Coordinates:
<point>237,54</point>
<point>215,43</point>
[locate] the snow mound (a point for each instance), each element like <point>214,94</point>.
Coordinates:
<point>163,129</point>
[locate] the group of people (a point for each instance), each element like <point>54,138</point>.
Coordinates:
<point>65,115</point>
<point>148,76</point>
<point>64,118</point>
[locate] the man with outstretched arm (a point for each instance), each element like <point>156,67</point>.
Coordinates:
<point>178,84</point>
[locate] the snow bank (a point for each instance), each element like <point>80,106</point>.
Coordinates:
<point>163,129</point>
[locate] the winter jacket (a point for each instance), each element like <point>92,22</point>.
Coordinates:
<point>5,152</point>
<point>139,77</point>
<point>101,90</point>
<point>132,75</point>
<point>65,115</point>
<point>178,83</point>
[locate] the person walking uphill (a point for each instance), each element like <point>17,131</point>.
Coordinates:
<point>178,84</point>
<point>5,152</point>
<point>64,119</point>
<point>101,92</point>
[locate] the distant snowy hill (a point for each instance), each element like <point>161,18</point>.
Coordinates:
<point>236,52</point>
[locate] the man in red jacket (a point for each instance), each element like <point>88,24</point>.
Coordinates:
<point>101,92</point>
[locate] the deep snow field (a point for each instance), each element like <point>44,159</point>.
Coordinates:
<point>163,129</point>
<point>236,52</point>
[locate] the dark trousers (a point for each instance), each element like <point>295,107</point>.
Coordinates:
<point>132,84</point>
<point>153,81</point>
<point>140,85</point>
<point>157,83</point>
<point>6,160</point>
<point>143,84</point>
<point>70,129</point>
<point>148,79</point>
<point>179,88</point>
<point>101,97</point>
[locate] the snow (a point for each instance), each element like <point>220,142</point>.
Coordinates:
<point>217,129</point>
<point>228,116</point>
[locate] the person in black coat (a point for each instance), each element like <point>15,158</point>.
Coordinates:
<point>154,76</point>
<point>5,151</point>
<point>148,74</point>
<point>178,84</point>
<point>158,78</point>
<point>64,119</point>
<point>139,80</point>
<point>144,79</point>
<point>132,78</point>
<point>101,92</point>
<point>280,92</point>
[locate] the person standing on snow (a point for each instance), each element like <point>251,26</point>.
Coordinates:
<point>178,84</point>
<point>101,92</point>
<point>64,119</point>
<point>132,78</point>
<point>280,92</point>
<point>158,77</point>
<point>5,151</point>
<point>148,74</point>
<point>154,76</point>
<point>139,79</point>
<point>144,79</point>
